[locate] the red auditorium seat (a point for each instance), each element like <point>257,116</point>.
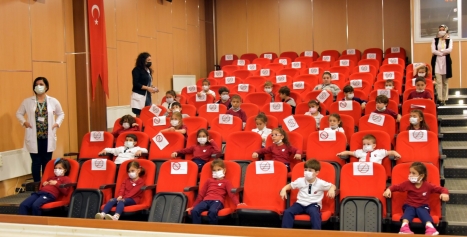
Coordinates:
<point>310,54</point>
<point>412,147</point>
<point>427,106</point>
<point>226,129</point>
<point>239,148</point>
<point>209,111</point>
<point>227,59</point>
<point>193,140</point>
<point>290,54</point>
<point>325,150</point>
<point>249,56</point>
<point>394,96</point>
<point>251,123</point>
<point>430,119</point>
<point>347,125</point>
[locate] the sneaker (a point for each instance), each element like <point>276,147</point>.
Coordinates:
<point>108,217</point>
<point>431,231</point>
<point>405,230</point>
<point>99,216</point>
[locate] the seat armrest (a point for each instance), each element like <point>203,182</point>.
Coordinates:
<point>71,154</point>
<point>443,210</point>
<point>440,136</point>
<point>442,157</point>
<point>388,208</point>
<point>145,155</point>
<point>106,186</point>
<point>345,157</point>
<point>391,157</point>
<point>192,188</point>
<point>149,187</point>
<point>67,185</point>
<point>237,190</point>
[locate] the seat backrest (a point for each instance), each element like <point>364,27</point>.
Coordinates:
<point>392,68</point>
<point>227,59</point>
<point>96,172</point>
<point>217,74</point>
<point>331,52</point>
<point>391,59</point>
<point>118,126</point>
<point>286,61</point>
<point>262,61</point>
<point>251,123</point>
<point>352,52</point>
<point>243,89</point>
<point>241,63</point>
<point>410,151</point>
<point>190,110</point>
<point>339,79</point>
<point>430,120</point>
<point>302,108</point>
<point>407,92</point>
<point>313,70</point>
<point>340,69</point>
<point>241,73</point>
<point>194,124</point>
<point>209,111</point>
<point>251,110</point>
<point>394,96</point>
<point>340,107</point>
<point>373,62</point>
<point>193,140</point>
<point>427,106</point>
<point>152,126</point>
<point>305,123</point>
<point>256,81</point>
<point>207,99</point>
<point>373,53</point>
<point>172,180</point>
<point>310,54</point>
<point>292,72</point>
<point>249,56</point>
<point>364,76</point>
<point>72,175</point>
<point>353,58</point>
<point>270,55</point>
<point>275,67</point>
<point>410,83</point>
<point>371,106</point>
<point>146,112</point>
<point>348,125</point>
<point>301,87</point>
<point>176,142</point>
<point>382,85</point>
<point>258,98</point>
<point>212,81</point>
<point>298,65</point>
<point>389,124</point>
<point>295,140</point>
<point>286,111</point>
<point>239,148</point>
<point>180,98</point>
<point>313,95</point>
<point>229,69</point>
<point>312,80</point>
<point>295,94</point>
<point>306,61</point>
<point>289,54</point>
<point>325,150</point>
<point>226,129</point>
<point>321,64</point>
<point>395,49</point>
<point>143,139</point>
<point>358,92</point>
<point>91,149</point>
<point>188,91</point>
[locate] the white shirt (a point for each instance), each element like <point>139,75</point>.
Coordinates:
<point>264,134</point>
<point>376,156</point>
<point>317,118</point>
<point>317,191</point>
<point>339,129</point>
<point>211,92</point>
<point>123,155</point>
<point>440,66</point>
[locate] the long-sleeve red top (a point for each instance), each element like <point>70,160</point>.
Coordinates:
<point>202,152</point>
<point>280,153</point>
<point>216,190</point>
<point>132,189</point>
<point>417,197</point>
<point>54,189</point>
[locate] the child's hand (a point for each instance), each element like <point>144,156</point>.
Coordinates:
<point>119,198</point>
<point>241,204</point>
<point>189,209</point>
<point>283,194</point>
<point>397,155</point>
<point>331,193</point>
<point>45,183</point>
<point>102,152</point>
<point>138,153</point>
<point>134,125</point>
<point>52,182</point>
<point>387,193</point>
<point>174,154</point>
<point>363,106</point>
<point>172,129</point>
<point>298,156</point>
<point>211,141</point>
<point>341,153</point>
<point>444,197</point>
<point>255,155</point>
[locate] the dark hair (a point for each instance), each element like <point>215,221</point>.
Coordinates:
<point>176,103</point>
<point>390,80</point>
<point>338,117</point>
<point>284,90</point>
<point>236,97</point>
<point>382,99</point>
<point>135,138</point>
<point>328,73</point>
<point>313,164</point>
<point>420,79</point>
<point>348,88</point>
<point>131,120</point>
<point>171,92</point>
<point>420,168</point>
<point>46,82</point>
<point>217,162</point>
<point>206,80</point>
<point>65,164</point>
<point>314,102</point>
<point>285,140</point>
<point>268,83</point>
<point>261,116</point>
<point>369,137</point>
<point>423,124</point>
<point>136,165</point>
<point>223,89</point>
<point>141,61</point>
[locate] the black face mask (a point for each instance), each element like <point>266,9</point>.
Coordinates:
<point>148,64</point>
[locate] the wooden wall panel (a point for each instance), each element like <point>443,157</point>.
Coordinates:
<point>202,10</point>
<point>146,14</point>
<point>365,24</point>
<point>231,27</point>
<point>263,26</point>
<point>179,14</point>
<point>163,16</point>
<point>329,25</point>
<point>113,79</point>
<point>47,24</point>
<point>396,29</point>
<point>69,29</point>
<point>110,23</point>
<point>127,53</point>
<point>295,26</point>
<point>192,12</point>
<point>422,52</point>
<point>455,81</point>
<point>193,51</point>
<point>126,20</point>
<point>8,107</point>
<point>462,83</point>
<point>72,115</point>
<point>179,51</point>
<point>202,50</point>
<point>15,18</point>
<point>165,63</point>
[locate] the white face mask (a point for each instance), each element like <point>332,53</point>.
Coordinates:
<point>421,74</point>
<point>442,33</point>
<point>202,140</point>
<point>414,179</point>
<point>132,175</point>
<point>218,174</point>
<point>278,142</point>
<point>225,97</point>
<point>126,125</point>
<point>350,96</point>
<point>367,148</point>
<point>333,126</point>
<point>312,110</point>
<point>129,144</point>
<point>58,172</point>
<point>169,100</point>
<point>309,175</point>
<point>176,110</point>
<point>174,122</point>
<point>267,90</point>
<point>205,88</point>
<point>389,87</point>
<point>413,120</point>
<point>382,109</point>
<point>420,91</point>
<point>39,89</point>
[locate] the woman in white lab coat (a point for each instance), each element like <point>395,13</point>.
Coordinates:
<point>40,125</point>
<point>441,48</point>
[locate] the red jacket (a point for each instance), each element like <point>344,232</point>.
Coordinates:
<point>54,189</point>
<point>216,190</point>
<point>240,113</point>
<point>417,197</point>
<point>130,189</point>
<point>388,112</point>
<point>280,153</point>
<point>202,152</point>
<point>419,95</point>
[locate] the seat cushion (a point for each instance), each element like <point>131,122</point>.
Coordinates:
<point>325,215</point>
<point>277,210</point>
<point>396,217</point>
<point>133,208</point>
<point>222,212</point>
<point>56,204</point>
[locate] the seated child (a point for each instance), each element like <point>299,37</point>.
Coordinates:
<point>310,196</point>
<point>331,88</point>
<point>417,121</point>
<point>284,94</point>
<point>349,95</point>
<point>315,111</point>
<point>368,152</point>
<point>176,124</point>
<point>212,195</point>
<point>381,104</point>
<point>126,152</point>
<point>235,110</point>
<point>206,89</point>
<point>128,123</point>
<point>49,191</point>
<point>169,99</point>
<point>418,198</point>
<point>420,92</point>
<point>225,98</point>
<point>129,194</point>
<point>202,151</point>
<point>281,150</point>
<point>261,121</point>
<point>420,71</point>
<point>389,85</point>
<point>176,107</point>
<point>335,123</point>
<point>268,89</point>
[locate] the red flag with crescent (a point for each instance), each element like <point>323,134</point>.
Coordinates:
<point>97,45</point>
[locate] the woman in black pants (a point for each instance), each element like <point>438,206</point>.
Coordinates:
<point>142,83</point>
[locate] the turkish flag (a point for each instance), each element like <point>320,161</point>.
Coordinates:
<point>97,45</point>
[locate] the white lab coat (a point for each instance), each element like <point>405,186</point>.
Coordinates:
<point>28,107</point>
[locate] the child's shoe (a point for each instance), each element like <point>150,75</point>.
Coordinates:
<point>108,217</point>
<point>431,231</point>
<point>99,215</point>
<point>405,230</point>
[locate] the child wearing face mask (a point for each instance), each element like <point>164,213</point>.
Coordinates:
<point>418,197</point>
<point>280,150</point>
<point>130,192</point>
<point>176,107</point>
<point>225,98</point>
<point>381,107</point>
<point>331,88</point>
<point>315,112</point>
<point>284,93</point>
<point>268,89</point>
<point>127,152</point>
<point>206,90</point>
<point>417,121</point>
<point>128,123</point>
<point>420,71</point>
<point>368,152</point>
<point>211,196</point>
<point>261,121</point>
<point>420,92</point>
<point>203,151</point>
<point>389,84</point>
<point>235,110</point>
<point>50,189</point>
<point>335,123</point>
<point>169,99</point>
<point>349,95</point>
<point>309,197</point>
<point>176,124</point>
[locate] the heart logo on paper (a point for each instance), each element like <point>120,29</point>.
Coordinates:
<point>356,83</point>
<point>418,135</point>
<point>334,75</point>
<point>176,166</point>
<point>212,107</point>
<point>155,110</point>
<point>363,167</point>
<point>157,120</point>
<point>322,96</point>
<point>324,135</point>
<point>376,118</point>
<point>264,166</point>
<point>345,62</point>
<point>230,79</point>
<point>241,62</point>
<point>243,87</point>
<point>191,88</point>
<point>218,74</point>
<point>393,61</point>
<point>99,163</point>
<point>389,75</point>
<point>202,97</point>
<point>299,85</point>
<point>226,118</point>
<point>281,78</point>
<point>96,135</point>
<point>296,64</point>
<point>364,68</point>
<point>384,92</point>
<point>313,70</point>
<point>291,123</point>
<point>343,104</point>
<point>276,106</point>
<point>265,72</point>
<point>159,138</point>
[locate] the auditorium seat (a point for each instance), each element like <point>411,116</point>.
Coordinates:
<point>347,124</point>
<point>251,123</point>
<point>194,124</point>
<point>310,54</point>
<point>325,150</point>
<point>303,125</point>
<point>393,95</point>
<point>226,129</point>
<point>390,75</point>
<point>258,98</point>
<point>290,54</point>
<point>389,124</point>
<point>262,61</point>
<point>340,69</point>
<point>275,67</point>
<point>373,53</point>
<point>176,141</point>
<point>407,92</point>
<point>187,91</point>
<point>201,100</point>
<point>118,126</point>
<point>229,69</point>
<point>314,95</point>
<point>303,107</point>
<point>382,85</point>
<point>339,107</point>
<point>292,72</point>
<point>249,56</point>
<point>270,55</point>
<point>392,68</point>
<point>155,125</point>
<point>419,145</point>
<point>143,139</point>
<point>373,62</point>
<point>286,61</point>
<point>427,106</point>
<point>242,73</point>
<point>352,52</point>
<point>192,140</point>
<point>430,119</point>
<point>90,149</point>
<point>149,112</point>
<point>210,111</point>
<point>241,145</point>
<point>280,115</point>
<point>227,59</point>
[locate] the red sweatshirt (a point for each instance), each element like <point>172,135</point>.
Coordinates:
<point>54,189</point>
<point>130,189</point>
<point>202,152</point>
<point>122,130</point>
<point>216,190</point>
<point>182,127</point>
<point>280,153</point>
<point>226,103</point>
<point>240,113</point>
<point>416,197</point>
<point>422,95</point>
<point>388,112</point>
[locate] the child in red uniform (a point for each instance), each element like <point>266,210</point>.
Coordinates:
<point>176,124</point>
<point>417,121</point>
<point>284,93</point>
<point>381,104</point>
<point>420,92</point>
<point>202,151</point>
<point>128,123</point>
<point>418,197</point>
<point>225,98</point>
<point>281,149</point>
<point>130,192</point>
<point>235,109</point>
<point>211,197</point>
<point>49,191</point>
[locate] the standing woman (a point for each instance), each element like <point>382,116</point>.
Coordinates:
<point>441,48</point>
<point>142,83</point>
<point>41,126</point>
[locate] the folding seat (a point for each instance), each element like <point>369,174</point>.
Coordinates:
<point>286,61</point>
<point>189,110</point>
<point>306,61</point>
<point>158,156</point>
<point>363,207</point>
<point>193,140</point>
<point>392,68</point>
<point>150,111</point>
<point>229,69</point>
<point>290,54</point>
<point>216,88</point>
<point>226,129</point>
<point>218,74</point>
<point>199,101</point>
<point>180,98</point>
<point>267,73</point>
<point>430,119</point>
<point>118,126</point>
<point>327,58</point>
<point>253,68</point>
<point>292,72</point>
<point>395,50</point>
<point>302,108</point>
<point>361,89</point>
<point>352,52</point>
<point>373,53</point>
<point>175,191</point>
<point>305,123</point>
<point>143,139</point>
<point>325,150</point>
<point>211,111</point>
<point>251,110</point>
<point>87,199</point>
<point>382,85</point>
<point>298,65</point>
<point>339,79</point>
<point>321,64</point>
<point>274,66</point>
<point>393,96</point>
<point>229,82</point>
<point>276,107</point>
<point>333,53</point>
<point>383,141</point>
<point>388,124</point>
<point>362,70</point>
<point>241,63</point>
<point>258,98</point>
<point>312,80</point>
<point>314,95</point>
<point>212,81</point>
<point>419,145</point>
<point>256,81</point>
<point>188,91</point>
<point>282,80</point>
<point>263,179</point>
<point>394,60</point>
<point>91,148</point>
<point>347,125</point>
<point>227,59</point>
<point>242,73</point>
<point>294,94</point>
<point>372,62</point>
<point>262,61</point>
<point>310,54</point>
<point>408,91</point>
<point>270,55</point>
<point>241,145</point>
<point>396,55</point>
<point>194,124</point>
<point>155,125</point>
<point>410,67</point>
<point>249,56</point>
<point>397,200</point>
<point>251,123</point>
<point>243,90</point>
<point>340,69</point>
<point>296,140</point>
<point>353,59</point>
<point>427,106</point>
<point>302,86</point>
<point>357,93</point>
<point>410,83</point>
<point>314,71</point>
<point>390,75</point>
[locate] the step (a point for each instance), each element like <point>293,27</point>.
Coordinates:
<point>462,91</point>
<point>457,133</point>
<point>453,120</point>
<point>456,99</point>
<point>455,168</point>
<point>454,149</point>
<point>457,221</point>
<point>453,109</point>
<point>457,190</point>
